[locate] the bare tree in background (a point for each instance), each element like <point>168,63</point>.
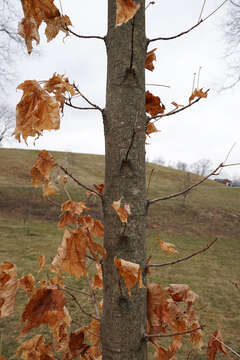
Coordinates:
<point>11,45</point>
<point>201,167</point>
<point>10,42</point>
<point>7,121</point>
<point>181,165</point>
<point>232,33</point>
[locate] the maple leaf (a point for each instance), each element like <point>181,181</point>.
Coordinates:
<point>167,247</point>
<point>124,212</point>
<point>199,93</point>
<point>150,57</point>
<point>131,272</point>
<point>40,171</point>
<point>37,11</point>
<point>36,111</point>
<point>154,105</point>
<point>71,253</point>
<point>215,346</point>
<point>35,349</point>
<point>8,288</point>
<point>151,128</point>
<point>71,211</point>
<point>27,283</point>
<point>46,306</point>
<point>59,85</point>
<point>126,10</point>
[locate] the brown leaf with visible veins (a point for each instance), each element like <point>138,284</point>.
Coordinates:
<point>167,354</point>
<point>215,346</point>
<point>36,111</point>
<point>8,288</point>
<point>126,10</point>
<point>167,247</point>
<point>46,306</point>
<point>131,272</point>
<point>36,12</point>
<point>199,93</point>
<point>123,212</point>
<point>71,254</point>
<point>154,105</point>
<point>76,345</point>
<point>150,57</point>
<point>35,349</point>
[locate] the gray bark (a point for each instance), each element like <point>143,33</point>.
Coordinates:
<point>124,318</point>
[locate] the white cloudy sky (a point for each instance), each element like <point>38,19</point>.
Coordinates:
<point>206,130</point>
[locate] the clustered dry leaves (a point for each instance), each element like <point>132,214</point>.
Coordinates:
<point>169,310</point>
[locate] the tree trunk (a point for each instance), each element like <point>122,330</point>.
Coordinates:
<point>124,318</point>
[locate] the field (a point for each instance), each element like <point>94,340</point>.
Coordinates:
<point>28,228</point>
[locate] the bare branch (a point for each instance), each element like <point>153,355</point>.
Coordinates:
<point>87,100</point>
<point>187,31</point>
<point>69,103</point>
<point>77,290</point>
<point>80,306</point>
<point>78,182</point>
<point>233,3</point>
<point>93,296</point>
<point>184,258</point>
<point>84,36</point>
<point>171,196</point>
<point>146,336</point>
<point>157,117</point>
<point>167,86</point>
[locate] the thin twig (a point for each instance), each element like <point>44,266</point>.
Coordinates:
<point>171,196</point>
<point>172,112</point>
<point>184,258</point>
<point>87,100</point>
<point>78,182</point>
<point>146,336</point>
<point>79,107</point>
<point>200,16</point>
<point>77,290</point>
<point>167,86</point>
<point>84,36</point>
<point>93,296</point>
<point>80,306</point>
<point>228,154</point>
<point>228,347</point>
<point>187,31</point>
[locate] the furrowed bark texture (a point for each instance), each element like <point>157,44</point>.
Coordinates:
<point>124,318</point>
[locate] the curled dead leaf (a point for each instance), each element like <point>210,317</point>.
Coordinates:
<point>8,288</point>
<point>123,212</point>
<point>199,93</point>
<point>131,272</point>
<point>167,247</point>
<point>150,57</point>
<point>154,105</point>
<point>126,10</point>
<point>36,111</point>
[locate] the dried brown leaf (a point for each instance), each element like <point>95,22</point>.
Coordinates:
<point>167,247</point>
<point>126,10</point>
<point>35,349</point>
<point>123,212</point>
<point>8,288</point>
<point>154,105</point>
<point>131,272</point>
<point>150,57</point>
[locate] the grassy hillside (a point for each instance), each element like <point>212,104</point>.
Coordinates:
<point>28,228</point>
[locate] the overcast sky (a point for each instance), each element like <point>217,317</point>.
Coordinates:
<point>206,130</point>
